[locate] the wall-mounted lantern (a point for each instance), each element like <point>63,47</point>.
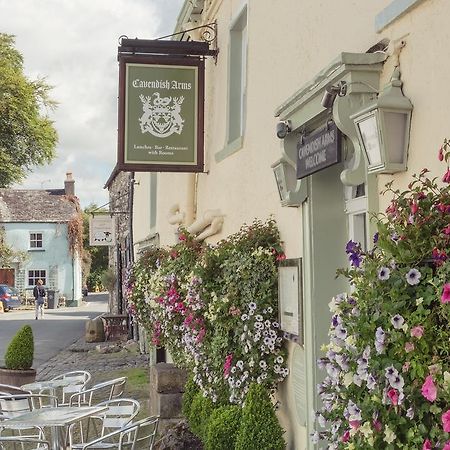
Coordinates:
<point>383,129</point>
<point>290,190</point>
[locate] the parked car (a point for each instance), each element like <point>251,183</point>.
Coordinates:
<point>9,296</point>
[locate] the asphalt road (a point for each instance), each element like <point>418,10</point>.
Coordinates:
<point>57,330</point>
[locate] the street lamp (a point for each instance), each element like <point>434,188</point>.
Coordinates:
<point>383,129</point>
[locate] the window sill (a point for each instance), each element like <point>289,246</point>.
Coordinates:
<point>231,148</point>
<point>36,249</point>
<point>394,11</point>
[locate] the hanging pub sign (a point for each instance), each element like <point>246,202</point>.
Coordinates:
<point>319,150</point>
<point>161,103</point>
<point>102,230</point>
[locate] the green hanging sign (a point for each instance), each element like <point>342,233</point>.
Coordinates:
<point>161,103</point>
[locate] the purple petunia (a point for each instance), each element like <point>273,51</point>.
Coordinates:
<point>384,273</point>
<point>397,321</point>
<point>413,277</point>
<point>353,249</point>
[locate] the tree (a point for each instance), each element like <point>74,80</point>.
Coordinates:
<point>27,135</point>
<point>96,257</point>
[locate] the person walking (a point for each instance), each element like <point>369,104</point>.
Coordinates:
<point>39,299</point>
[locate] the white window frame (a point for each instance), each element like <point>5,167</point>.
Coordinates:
<point>37,275</point>
<point>358,221</point>
<point>36,240</point>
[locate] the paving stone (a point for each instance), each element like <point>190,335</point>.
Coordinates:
<point>85,356</point>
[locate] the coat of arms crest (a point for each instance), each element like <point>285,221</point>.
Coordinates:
<point>161,116</point>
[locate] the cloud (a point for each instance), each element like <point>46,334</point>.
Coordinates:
<point>73,43</point>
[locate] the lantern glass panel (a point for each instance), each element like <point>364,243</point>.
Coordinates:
<point>368,129</point>
<point>280,178</point>
<point>394,135</point>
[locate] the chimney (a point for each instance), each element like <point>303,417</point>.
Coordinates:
<point>69,184</point>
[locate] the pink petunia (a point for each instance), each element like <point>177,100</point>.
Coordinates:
<point>429,390</point>
<point>417,331</point>
<point>445,297</point>
<point>409,347</point>
<point>446,421</point>
<point>377,425</point>
<point>447,446</point>
<point>393,395</point>
<point>355,424</point>
<point>446,177</point>
<point>426,445</point>
<point>346,436</point>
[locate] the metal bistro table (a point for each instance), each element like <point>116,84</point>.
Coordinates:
<point>54,418</point>
<point>50,385</point>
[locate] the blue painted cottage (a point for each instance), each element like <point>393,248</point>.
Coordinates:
<point>36,223</point>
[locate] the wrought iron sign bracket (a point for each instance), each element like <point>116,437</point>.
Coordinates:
<point>163,46</point>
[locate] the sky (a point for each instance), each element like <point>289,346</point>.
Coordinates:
<point>73,44</point>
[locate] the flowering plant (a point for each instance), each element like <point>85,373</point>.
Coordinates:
<point>387,362</point>
<point>215,309</point>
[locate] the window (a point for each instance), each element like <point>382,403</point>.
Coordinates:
<point>34,275</point>
<point>35,240</point>
<point>237,75</point>
<point>356,208</point>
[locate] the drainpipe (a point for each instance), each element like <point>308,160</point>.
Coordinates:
<point>191,199</point>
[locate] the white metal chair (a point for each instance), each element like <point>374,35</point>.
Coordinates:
<point>107,390</point>
<point>24,443</point>
<point>136,435</point>
<point>78,380</point>
<point>14,405</point>
<point>120,413</point>
<point>6,389</point>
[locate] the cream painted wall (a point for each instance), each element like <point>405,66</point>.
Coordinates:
<point>288,45</point>
<point>424,65</point>
<point>141,205</point>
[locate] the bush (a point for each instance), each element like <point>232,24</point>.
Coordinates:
<point>223,427</point>
<point>190,391</point>
<point>260,429</point>
<point>199,415</point>
<point>109,279</point>
<point>20,352</point>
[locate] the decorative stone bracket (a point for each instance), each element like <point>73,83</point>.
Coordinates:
<point>361,73</point>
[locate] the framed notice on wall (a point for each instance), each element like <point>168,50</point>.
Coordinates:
<point>161,102</point>
<point>290,302</point>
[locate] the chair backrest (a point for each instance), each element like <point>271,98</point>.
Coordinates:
<point>146,433</point>
<point>120,412</point>
<point>107,390</point>
<point>6,389</point>
<point>13,405</point>
<point>78,380</point>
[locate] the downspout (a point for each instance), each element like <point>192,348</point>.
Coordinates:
<point>191,199</point>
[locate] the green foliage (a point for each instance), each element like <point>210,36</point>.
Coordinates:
<point>223,427</point>
<point>27,136</point>
<point>190,391</point>
<point>20,352</point>
<point>388,359</point>
<point>8,255</point>
<point>199,415</point>
<point>109,279</point>
<point>215,308</point>
<point>259,429</point>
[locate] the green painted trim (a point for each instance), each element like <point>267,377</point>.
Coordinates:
<point>394,11</point>
<point>229,149</point>
<point>344,64</point>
